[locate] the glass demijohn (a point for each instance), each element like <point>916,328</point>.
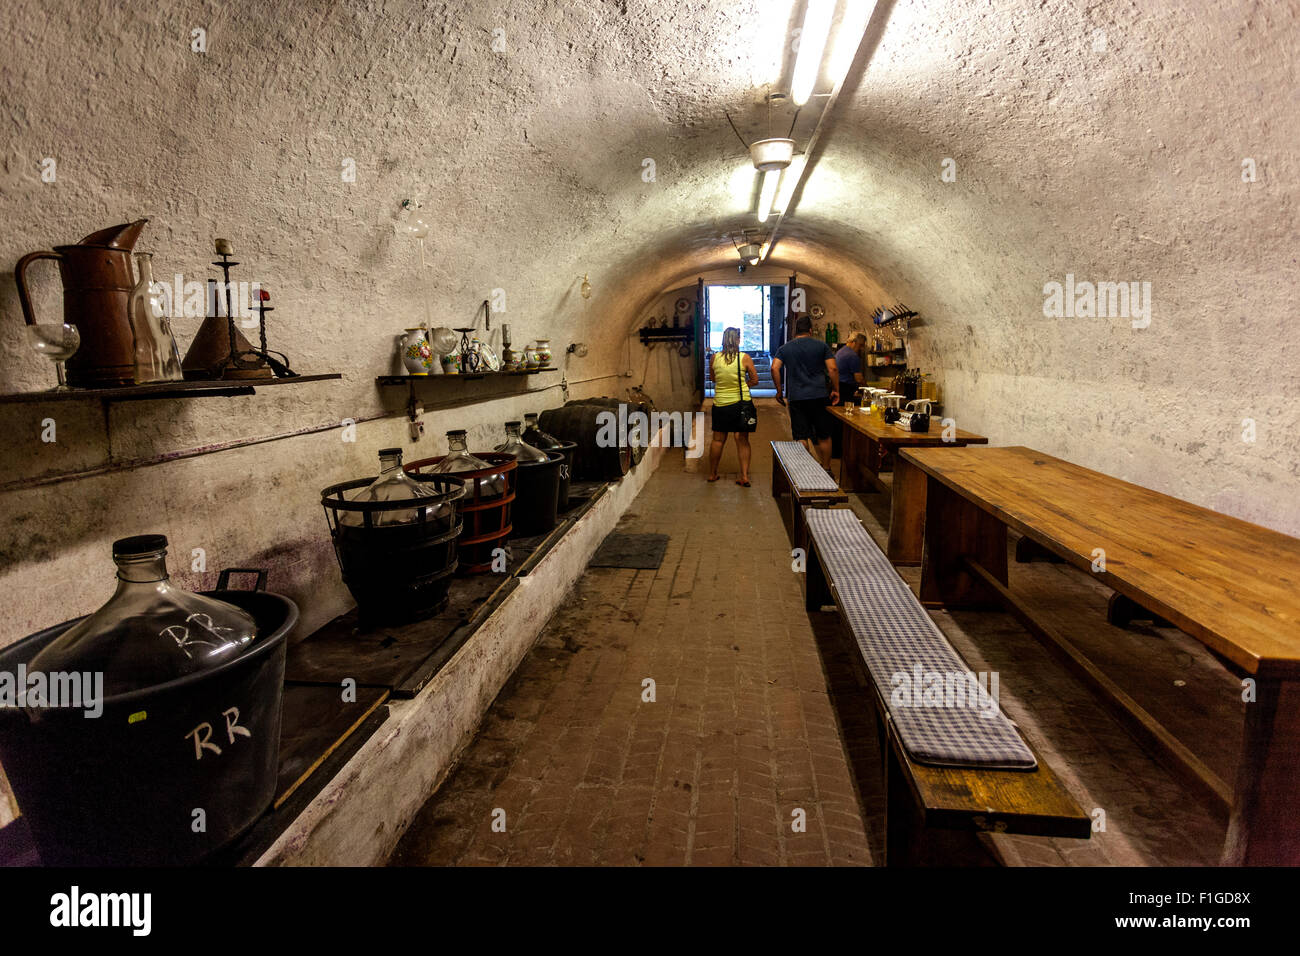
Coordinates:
<point>515,445</point>
<point>393,484</point>
<point>459,459</point>
<point>150,632</point>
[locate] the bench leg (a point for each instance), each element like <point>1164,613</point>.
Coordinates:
<point>907,514</point>
<point>903,828</point>
<point>956,529</point>
<point>816,593</point>
<point>1264,827</point>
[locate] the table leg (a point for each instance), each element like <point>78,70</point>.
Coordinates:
<point>907,514</point>
<point>956,529</point>
<point>851,452</point>
<point>1264,826</point>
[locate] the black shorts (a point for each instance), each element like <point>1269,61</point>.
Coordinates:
<point>809,418</point>
<point>727,418</point>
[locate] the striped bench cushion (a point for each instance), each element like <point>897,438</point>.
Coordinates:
<point>939,712</point>
<point>802,468</point>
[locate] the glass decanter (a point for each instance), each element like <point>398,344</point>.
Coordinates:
<point>150,631</point>
<point>534,435</point>
<point>157,358</point>
<point>459,459</point>
<point>515,445</point>
<point>393,484</point>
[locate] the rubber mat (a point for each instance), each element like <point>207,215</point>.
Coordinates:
<point>641,551</point>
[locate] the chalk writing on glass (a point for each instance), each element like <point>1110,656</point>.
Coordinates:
<point>185,640</point>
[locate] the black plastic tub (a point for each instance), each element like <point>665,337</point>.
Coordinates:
<point>165,775</point>
<point>537,496</point>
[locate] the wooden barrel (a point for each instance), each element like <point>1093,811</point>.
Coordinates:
<point>581,425</point>
<point>638,446</point>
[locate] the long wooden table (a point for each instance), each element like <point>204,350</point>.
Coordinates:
<point>868,445</point>
<point>1232,585</point>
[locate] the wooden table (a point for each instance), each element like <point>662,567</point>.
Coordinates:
<point>868,444</point>
<point>1232,585</point>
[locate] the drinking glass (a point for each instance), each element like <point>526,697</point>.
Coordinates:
<point>56,341</point>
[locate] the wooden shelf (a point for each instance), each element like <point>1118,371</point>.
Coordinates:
<point>160,390</point>
<point>460,376</point>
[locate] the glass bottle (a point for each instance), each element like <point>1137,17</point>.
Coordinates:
<point>157,357</point>
<point>459,459</point>
<point>150,631</point>
<point>393,484</point>
<point>534,435</point>
<point>515,445</point>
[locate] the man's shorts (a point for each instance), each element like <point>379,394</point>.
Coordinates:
<point>810,418</point>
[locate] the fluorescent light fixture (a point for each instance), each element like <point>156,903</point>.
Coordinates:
<point>812,44</point>
<point>767,194</point>
<point>852,25</point>
<point>788,182</point>
<point>773,26</point>
<point>762,253</point>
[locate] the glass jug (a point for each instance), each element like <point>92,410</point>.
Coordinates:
<point>150,632</point>
<point>515,445</point>
<point>534,436</point>
<point>393,484</point>
<point>459,459</point>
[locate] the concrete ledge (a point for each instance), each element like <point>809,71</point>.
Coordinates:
<point>357,819</point>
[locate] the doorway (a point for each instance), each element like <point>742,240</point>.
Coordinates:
<point>749,308</point>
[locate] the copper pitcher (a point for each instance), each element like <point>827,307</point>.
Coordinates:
<point>97,284</point>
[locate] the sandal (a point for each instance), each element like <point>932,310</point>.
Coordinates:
<point>742,483</point>
<point>714,478</point>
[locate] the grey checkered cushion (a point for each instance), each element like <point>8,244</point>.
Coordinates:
<point>899,640</point>
<point>804,471</point>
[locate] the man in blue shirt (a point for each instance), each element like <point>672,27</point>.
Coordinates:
<point>812,382</point>
<point>849,361</point>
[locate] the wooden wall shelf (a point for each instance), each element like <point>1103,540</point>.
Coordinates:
<point>459,376</point>
<point>159,390</point>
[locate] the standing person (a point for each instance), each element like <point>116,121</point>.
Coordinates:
<point>849,361</point>
<point>812,383</point>
<point>733,409</point>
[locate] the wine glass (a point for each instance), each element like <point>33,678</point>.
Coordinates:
<point>56,341</point>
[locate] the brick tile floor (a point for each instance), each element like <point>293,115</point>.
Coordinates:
<point>760,717</point>
<point>738,760</point>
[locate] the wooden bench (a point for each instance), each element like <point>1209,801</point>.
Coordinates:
<point>947,766</point>
<point>1232,585</point>
<point>798,473</point>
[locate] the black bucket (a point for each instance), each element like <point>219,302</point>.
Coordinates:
<point>166,775</point>
<point>537,496</point>
<point>565,448</point>
<point>397,573</point>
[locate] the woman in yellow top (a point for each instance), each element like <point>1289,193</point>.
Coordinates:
<point>733,410</point>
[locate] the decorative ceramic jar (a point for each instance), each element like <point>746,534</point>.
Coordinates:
<point>543,353</point>
<point>417,356</point>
